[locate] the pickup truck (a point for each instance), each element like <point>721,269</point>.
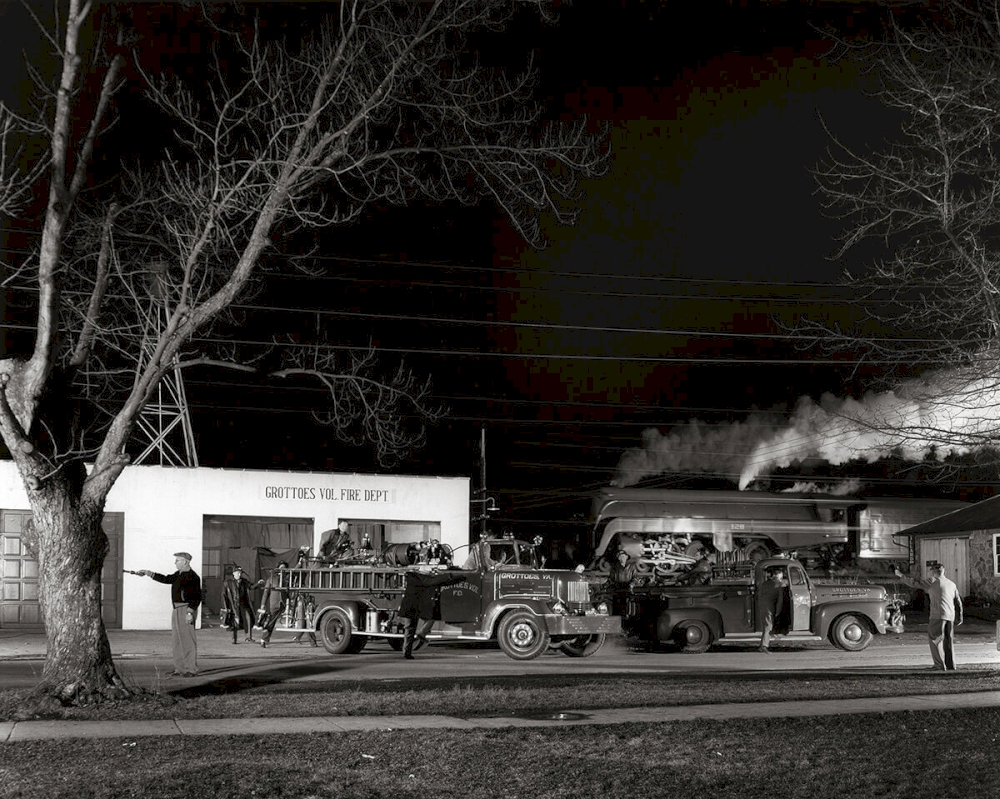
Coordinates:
<point>724,609</point>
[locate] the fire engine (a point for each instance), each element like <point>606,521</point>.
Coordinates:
<point>500,594</point>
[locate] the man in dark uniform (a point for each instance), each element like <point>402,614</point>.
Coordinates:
<point>236,599</point>
<point>770,602</point>
<point>185,593</point>
<point>620,579</point>
<point>419,605</point>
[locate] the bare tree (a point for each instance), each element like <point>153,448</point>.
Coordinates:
<point>382,103</point>
<point>928,203</point>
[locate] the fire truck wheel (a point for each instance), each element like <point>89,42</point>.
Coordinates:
<point>694,636</point>
<point>583,646</point>
<point>335,630</point>
<point>850,633</point>
<point>522,636</point>
<point>357,644</point>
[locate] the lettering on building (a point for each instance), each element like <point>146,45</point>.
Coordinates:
<point>369,496</point>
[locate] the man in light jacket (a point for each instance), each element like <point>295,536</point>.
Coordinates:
<point>945,613</point>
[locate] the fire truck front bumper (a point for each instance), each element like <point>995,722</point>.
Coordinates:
<point>583,625</point>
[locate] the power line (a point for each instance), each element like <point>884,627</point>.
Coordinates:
<point>540,356</point>
<point>616,276</point>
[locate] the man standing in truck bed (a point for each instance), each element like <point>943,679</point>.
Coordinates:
<point>945,613</point>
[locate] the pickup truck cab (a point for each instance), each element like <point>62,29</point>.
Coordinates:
<point>725,610</point>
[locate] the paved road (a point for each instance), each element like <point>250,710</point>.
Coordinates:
<point>143,657</point>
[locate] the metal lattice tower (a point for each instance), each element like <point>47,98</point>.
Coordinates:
<point>164,424</point>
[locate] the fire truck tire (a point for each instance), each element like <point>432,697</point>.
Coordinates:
<point>357,644</point>
<point>850,633</point>
<point>583,646</point>
<point>522,636</point>
<point>335,631</point>
<point>694,637</point>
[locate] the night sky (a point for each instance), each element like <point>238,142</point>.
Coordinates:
<point>664,304</point>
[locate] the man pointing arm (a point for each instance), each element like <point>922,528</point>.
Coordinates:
<point>945,613</point>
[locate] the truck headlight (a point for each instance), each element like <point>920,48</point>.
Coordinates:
<point>560,608</point>
<point>603,609</point>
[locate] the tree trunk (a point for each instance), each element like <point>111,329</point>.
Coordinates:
<point>70,546</point>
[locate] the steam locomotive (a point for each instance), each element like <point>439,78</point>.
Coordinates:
<point>667,532</point>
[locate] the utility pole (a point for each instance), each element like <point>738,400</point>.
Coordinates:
<point>482,478</point>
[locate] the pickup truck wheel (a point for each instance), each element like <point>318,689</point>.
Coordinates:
<point>335,630</point>
<point>522,636</point>
<point>694,637</point>
<point>850,633</point>
<point>583,646</point>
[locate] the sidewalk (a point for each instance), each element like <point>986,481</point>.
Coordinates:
<point>133,644</point>
<point>13,731</point>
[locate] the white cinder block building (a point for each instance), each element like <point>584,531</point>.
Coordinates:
<point>224,517</point>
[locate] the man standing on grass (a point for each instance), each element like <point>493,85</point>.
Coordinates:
<point>185,593</point>
<point>945,613</point>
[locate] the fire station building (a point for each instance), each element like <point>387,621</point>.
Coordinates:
<point>223,518</point>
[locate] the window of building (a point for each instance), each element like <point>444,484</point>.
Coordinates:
<point>996,553</point>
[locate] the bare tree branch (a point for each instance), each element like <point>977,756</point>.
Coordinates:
<point>383,103</point>
<point>929,199</point>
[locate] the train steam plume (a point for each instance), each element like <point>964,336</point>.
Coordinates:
<point>941,415</point>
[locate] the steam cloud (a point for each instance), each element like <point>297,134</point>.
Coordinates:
<point>943,414</point>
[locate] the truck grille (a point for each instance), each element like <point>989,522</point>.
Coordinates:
<point>578,592</point>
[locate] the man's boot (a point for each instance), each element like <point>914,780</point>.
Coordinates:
<point>408,642</point>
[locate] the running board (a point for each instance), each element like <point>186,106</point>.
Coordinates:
<point>745,638</point>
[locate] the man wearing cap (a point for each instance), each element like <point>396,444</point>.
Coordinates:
<point>185,593</point>
<point>236,599</point>
<point>945,613</point>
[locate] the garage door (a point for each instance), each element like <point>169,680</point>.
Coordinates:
<point>19,605</point>
<point>953,554</point>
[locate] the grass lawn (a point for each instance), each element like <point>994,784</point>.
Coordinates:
<point>906,755</point>
<point>496,696</point>
<point>883,756</point>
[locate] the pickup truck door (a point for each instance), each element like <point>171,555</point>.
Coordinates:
<point>801,596</point>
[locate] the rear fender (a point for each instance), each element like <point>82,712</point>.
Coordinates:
<point>352,609</point>
<point>666,624</point>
